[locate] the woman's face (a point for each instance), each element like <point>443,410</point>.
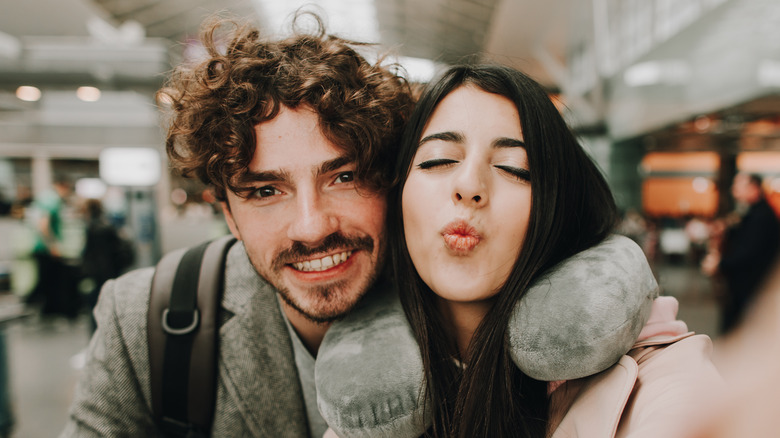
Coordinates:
<point>467,200</point>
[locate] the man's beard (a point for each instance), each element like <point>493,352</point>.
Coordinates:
<point>325,292</point>
<point>328,299</point>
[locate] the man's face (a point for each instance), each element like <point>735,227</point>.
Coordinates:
<point>306,228</point>
<point>743,190</point>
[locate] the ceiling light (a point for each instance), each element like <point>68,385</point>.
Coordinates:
<point>666,72</point>
<point>646,73</point>
<point>420,70</point>
<point>88,94</point>
<point>28,93</point>
<point>769,73</point>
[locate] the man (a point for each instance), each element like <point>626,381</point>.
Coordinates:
<point>750,244</point>
<point>296,137</point>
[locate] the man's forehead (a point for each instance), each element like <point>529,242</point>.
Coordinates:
<point>301,119</point>
<point>293,139</point>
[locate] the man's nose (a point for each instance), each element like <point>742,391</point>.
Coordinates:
<point>314,219</point>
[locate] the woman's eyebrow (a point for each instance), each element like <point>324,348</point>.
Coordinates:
<point>506,142</point>
<point>456,137</point>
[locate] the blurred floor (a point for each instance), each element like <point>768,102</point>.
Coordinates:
<point>695,292</point>
<point>43,376</point>
<point>43,356</point>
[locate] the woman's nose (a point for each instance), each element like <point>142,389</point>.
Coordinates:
<point>470,187</point>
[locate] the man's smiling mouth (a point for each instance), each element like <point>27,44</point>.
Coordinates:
<point>322,264</point>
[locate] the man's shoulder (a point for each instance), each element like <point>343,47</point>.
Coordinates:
<point>129,292</point>
<point>766,209</point>
<point>136,281</point>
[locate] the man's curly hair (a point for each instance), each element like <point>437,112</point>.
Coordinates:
<point>216,104</point>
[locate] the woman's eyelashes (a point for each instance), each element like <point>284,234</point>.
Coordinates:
<point>436,162</point>
<point>517,172</point>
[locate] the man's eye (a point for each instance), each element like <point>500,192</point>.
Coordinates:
<point>265,192</point>
<point>345,177</point>
<point>436,162</point>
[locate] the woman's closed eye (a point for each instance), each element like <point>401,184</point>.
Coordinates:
<point>516,172</point>
<point>436,162</point>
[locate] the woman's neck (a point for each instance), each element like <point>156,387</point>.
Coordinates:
<point>462,320</point>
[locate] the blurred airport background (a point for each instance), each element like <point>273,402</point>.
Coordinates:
<point>671,97</point>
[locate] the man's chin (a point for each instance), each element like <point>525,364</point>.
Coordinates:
<point>322,306</point>
<point>318,316</point>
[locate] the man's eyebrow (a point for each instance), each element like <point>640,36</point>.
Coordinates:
<point>334,164</point>
<point>455,137</point>
<point>264,176</point>
<point>281,175</point>
<point>506,142</point>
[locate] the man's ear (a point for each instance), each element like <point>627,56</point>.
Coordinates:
<point>229,219</point>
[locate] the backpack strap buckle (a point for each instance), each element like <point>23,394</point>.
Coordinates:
<point>166,326</point>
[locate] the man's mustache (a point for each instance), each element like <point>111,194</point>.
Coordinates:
<point>298,250</point>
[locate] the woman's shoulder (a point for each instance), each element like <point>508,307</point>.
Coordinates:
<point>679,351</point>
<point>652,391</point>
<point>674,375</point>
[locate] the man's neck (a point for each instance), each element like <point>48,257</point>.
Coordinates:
<point>310,332</point>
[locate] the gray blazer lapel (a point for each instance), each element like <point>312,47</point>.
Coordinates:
<point>257,363</point>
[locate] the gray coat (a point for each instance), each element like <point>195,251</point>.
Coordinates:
<point>258,390</point>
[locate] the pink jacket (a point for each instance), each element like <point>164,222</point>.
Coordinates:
<point>653,391</point>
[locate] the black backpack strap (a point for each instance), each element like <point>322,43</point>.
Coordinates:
<point>183,332</point>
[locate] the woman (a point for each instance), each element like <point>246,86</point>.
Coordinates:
<point>494,189</point>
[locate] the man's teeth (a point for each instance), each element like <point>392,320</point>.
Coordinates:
<point>324,263</point>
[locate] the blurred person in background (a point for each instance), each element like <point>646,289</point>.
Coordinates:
<point>633,226</point>
<point>6,413</point>
<point>698,232</point>
<point>743,249</point>
<point>5,205</point>
<point>105,254</point>
<point>55,290</point>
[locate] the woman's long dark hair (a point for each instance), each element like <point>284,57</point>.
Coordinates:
<point>572,209</point>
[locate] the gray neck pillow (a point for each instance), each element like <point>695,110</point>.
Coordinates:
<point>576,320</point>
